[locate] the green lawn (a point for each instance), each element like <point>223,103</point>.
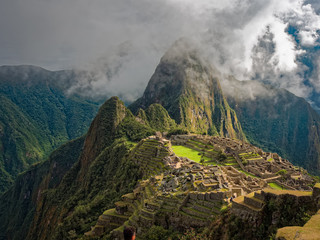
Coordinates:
<point>182,151</point>
<point>248,174</point>
<point>275,186</point>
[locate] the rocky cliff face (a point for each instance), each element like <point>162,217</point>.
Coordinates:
<point>63,197</point>
<point>277,121</point>
<point>189,89</point>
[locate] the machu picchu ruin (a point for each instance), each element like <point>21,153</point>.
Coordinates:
<point>191,192</point>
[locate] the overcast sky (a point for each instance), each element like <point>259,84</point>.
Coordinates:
<point>121,42</point>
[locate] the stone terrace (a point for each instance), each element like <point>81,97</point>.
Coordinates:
<point>189,194</point>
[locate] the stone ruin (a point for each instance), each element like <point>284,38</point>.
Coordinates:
<point>190,194</point>
<point>250,207</point>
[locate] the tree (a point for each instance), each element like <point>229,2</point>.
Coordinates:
<point>283,173</point>
<point>202,159</point>
<point>221,156</point>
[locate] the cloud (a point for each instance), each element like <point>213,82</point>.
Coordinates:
<point>115,45</point>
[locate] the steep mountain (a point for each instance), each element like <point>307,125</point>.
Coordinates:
<point>18,204</point>
<point>273,119</point>
<point>189,89</point>
<point>117,175</point>
<point>102,173</point>
<point>277,121</point>
<point>36,116</point>
<point>157,117</point>
<point>64,197</point>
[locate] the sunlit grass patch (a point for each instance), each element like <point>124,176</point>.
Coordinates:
<point>192,154</point>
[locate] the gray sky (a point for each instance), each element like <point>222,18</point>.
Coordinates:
<point>120,42</point>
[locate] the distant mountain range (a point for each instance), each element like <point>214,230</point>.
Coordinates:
<point>36,116</point>
<point>62,197</point>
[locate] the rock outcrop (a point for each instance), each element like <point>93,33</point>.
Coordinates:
<point>189,89</point>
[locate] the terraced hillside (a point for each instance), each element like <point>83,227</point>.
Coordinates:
<point>191,193</point>
<point>129,174</point>
<point>148,155</point>
<point>309,231</point>
<point>261,213</point>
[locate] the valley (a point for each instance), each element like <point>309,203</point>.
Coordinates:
<point>187,158</point>
<point>183,194</point>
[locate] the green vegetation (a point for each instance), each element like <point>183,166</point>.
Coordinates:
<point>244,162</point>
<point>158,118</point>
<point>177,131</point>
<point>283,211</point>
<point>133,130</point>
<point>36,117</point>
<point>275,186</point>
<point>61,198</point>
<point>186,102</point>
<point>106,169</point>
<point>16,205</point>
<point>290,129</point>
<point>132,144</point>
<point>159,233</point>
<point>192,234</point>
<point>192,154</point>
<point>309,231</point>
<point>102,186</point>
<point>221,156</point>
<point>224,208</point>
<point>291,192</point>
<point>282,172</point>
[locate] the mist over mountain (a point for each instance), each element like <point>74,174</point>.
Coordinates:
<point>188,87</point>
<point>118,161</point>
<point>276,120</point>
<point>37,116</point>
<point>275,42</point>
<point>183,119</point>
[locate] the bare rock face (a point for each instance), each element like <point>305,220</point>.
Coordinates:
<point>189,89</point>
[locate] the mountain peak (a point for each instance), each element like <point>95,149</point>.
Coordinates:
<point>189,89</point>
<point>102,129</point>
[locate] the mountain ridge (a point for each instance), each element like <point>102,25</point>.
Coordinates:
<point>189,90</point>
<point>126,161</point>
<point>37,116</point>
<point>278,121</point>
